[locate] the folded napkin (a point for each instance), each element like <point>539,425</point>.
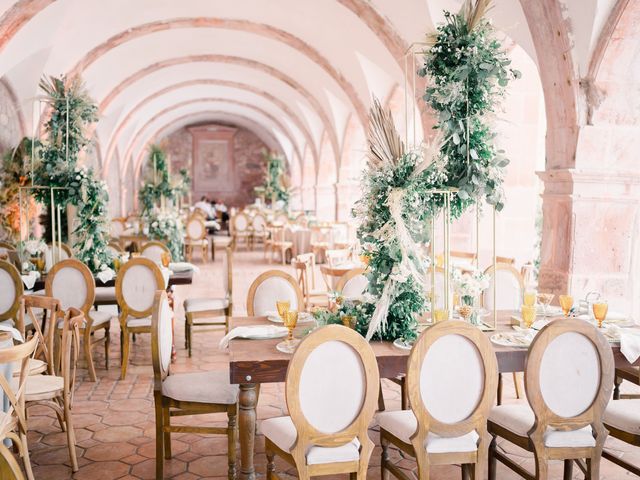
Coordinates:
<point>183,267</point>
<point>13,331</point>
<point>629,341</point>
<point>257,331</point>
<point>106,275</point>
<point>30,278</point>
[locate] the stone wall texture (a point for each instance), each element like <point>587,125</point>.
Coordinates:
<point>249,165</point>
<point>10,123</point>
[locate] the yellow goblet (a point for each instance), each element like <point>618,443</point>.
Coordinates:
<point>165,257</point>
<point>530,297</point>
<point>440,315</point>
<point>40,264</point>
<point>528,315</point>
<point>290,321</point>
<point>283,307</point>
<point>566,303</point>
<point>600,310</point>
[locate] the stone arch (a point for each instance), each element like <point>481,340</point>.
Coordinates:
<point>308,180</point>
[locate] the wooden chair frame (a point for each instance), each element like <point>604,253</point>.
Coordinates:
<point>257,235</point>
<point>280,244</point>
<point>308,435</point>
<point>126,310</point>
<point>472,462</point>
<point>14,426</point>
<point>344,279</point>
<point>88,329</point>
<point>545,417</point>
<point>226,312</point>
<point>63,246</point>
<point>244,233</point>
<point>122,221</point>
<point>303,263</point>
<point>202,241</point>
<point>12,312</point>
<point>166,407</point>
<point>154,243</point>
<point>7,245</point>
<point>264,276</point>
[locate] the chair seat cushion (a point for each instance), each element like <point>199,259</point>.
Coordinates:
<point>36,367</point>
<point>37,385</point>
<point>623,415</point>
<point>402,424</point>
<point>196,243</point>
<point>139,322</point>
<point>100,317</point>
<point>105,294</point>
<point>519,419</point>
<point>221,241</point>
<point>201,387</point>
<point>203,304</point>
<point>282,433</point>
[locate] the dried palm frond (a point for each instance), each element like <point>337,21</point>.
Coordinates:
<point>385,146</point>
<point>430,153</point>
<point>474,11</point>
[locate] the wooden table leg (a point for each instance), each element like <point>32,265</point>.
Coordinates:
<point>247,424</point>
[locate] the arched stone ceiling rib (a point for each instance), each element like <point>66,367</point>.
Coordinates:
<point>17,16</point>
<point>279,103</point>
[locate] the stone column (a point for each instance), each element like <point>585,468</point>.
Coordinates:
<point>347,192</point>
<point>325,202</point>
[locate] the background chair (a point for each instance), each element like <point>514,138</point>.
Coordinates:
<point>269,287</point>
<point>304,265</point>
<point>280,244</point>
<point>568,381</point>
<point>197,308</point>
<point>154,251</point>
<point>258,229</point>
<point>353,284</point>
<point>331,392</point>
<point>118,227</point>
<point>196,236</point>
<point>71,282</point>
<point>452,380</point>
<point>240,229</point>
<point>136,285</point>
<point>338,257</point>
<point>186,393</point>
<point>11,289</point>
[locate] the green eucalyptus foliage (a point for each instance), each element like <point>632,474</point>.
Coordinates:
<point>468,71</point>
<point>275,181</point>
<point>158,183</point>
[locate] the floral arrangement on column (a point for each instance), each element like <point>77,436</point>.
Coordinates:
<point>467,72</point>
<point>166,226</point>
<point>71,111</point>
<point>16,173</point>
<point>276,184</point>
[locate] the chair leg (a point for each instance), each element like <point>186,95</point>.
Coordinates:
<point>381,405</point>
<point>125,355</point>
<point>26,460</point>
<point>87,354</point>
<point>404,394</point>
<point>384,458</point>
<point>107,346</point>
<point>568,470</point>
<point>232,438</point>
<point>493,463</point>
<point>166,421</point>
<point>617,381</point>
<point>159,439</point>
<point>593,468</point>
<point>499,395</point>
<point>516,384</point>
<point>71,435</point>
<point>271,468</point>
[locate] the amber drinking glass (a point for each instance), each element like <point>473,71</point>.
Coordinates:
<point>566,303</point>
<point>165,257</point>
<point>290,321</point>
<point>530,297</point>
<point>528,315</point>
<point>283,307</point>
<point>600,310</point>
<point>440,315</point>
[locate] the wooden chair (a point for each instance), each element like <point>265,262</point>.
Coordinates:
<point>302,220</point>
<point>269,287</point>
<point>353,284</point>
<point>136,285</point>
<point>71,282</point>
<point>622,420</point>
<point>154,251</point>
<point>186,393</point>
<point>281,218</point>
<point>320,241</point>
<point>258,229</point>
<point>332,393</point>
<point>115,248</point>
<point>240,229</point>
<point>198,308</point>
<point>118,227</point>
<point>55,389</point>
<point>509,295</point>
<point>568,382</point>
<point>304,265</point>
<point>506,261</point>
<point>196,236</point>
<point>280,244</point>
<point>11,289</point>
<point>452,379</point>
<point>13,421</point>
<point>331,276</point>
<point>338,257</point>
<point>6,246</point>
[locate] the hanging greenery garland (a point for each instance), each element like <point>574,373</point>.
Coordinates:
<point>276,182</point>
<point>467,72</point>
<point>157,181</point>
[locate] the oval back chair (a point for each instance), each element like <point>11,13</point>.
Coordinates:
<point>332,393</point>
<point>353,284</point>
<point>196,236</point>
<point>11,289</point>
<point>509,288</point>
<point>154,250</point>
<point>270,286</point>
<point>117,227</point>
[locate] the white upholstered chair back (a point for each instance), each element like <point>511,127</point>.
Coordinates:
<point>11,288</point>
<point>161,336</point>
<point>338,257</point>
<point>136,284</point>
<point>117,227</point>
<point>259,224</point>
<point>114,249</point>
<point>452,378</point>
<point>282,218</point>
<point>353,283</point>
<point>195,228</point>
<point>270,287</point>
<point>569,375</point>
<point>240,223</point>
<point>153,251</point>
<point>72,284</point>
<point>332,388</point>
<point>509,288</point>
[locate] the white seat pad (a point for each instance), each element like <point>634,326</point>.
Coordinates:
<point>40,384</point>
<point>624,415</point>
<point>204,304</point>
<point>138,322</point>
<point>105,294</point>
<point>282,432</point>
<point>36,367</point>
<point>221,241</point>
<point>198,243</point>
<point>519,419</point>
<point>201,387</point>
<point>100,317</point>
<point>402,424</point>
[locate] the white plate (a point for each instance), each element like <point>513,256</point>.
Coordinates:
<point>303,317</point>
<point>508,339</point>
<point>402,344</point>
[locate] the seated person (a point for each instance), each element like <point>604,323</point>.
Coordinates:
<point>222,208</point>
<point>205,206</point>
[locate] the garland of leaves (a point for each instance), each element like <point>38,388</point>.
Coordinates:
<point>166,226</point>
<point>468,72</point>
<point>157,183</point>
<point>276,182</point>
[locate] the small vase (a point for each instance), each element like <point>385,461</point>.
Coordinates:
<point>472,317</point>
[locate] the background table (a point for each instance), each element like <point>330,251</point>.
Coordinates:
<point>176,278</point>
<point>253,362</point>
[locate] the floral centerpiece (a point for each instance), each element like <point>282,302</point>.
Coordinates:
<point>469,286</point>
<point>166,226</point>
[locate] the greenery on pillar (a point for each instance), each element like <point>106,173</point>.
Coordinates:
<point>276,184</point>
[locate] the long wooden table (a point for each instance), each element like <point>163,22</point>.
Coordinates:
<point>253,362</point>
<point>176,278</point>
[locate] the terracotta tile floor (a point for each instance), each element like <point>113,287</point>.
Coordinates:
<point>114,420</point>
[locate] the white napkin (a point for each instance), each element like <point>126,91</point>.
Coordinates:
<point>14,332</point>
<point>629,341</point>
<point>166,273</point>
<point>106,275</point>
<point>183,267</point>
<point>247,332</point>
<point>30,278</point>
